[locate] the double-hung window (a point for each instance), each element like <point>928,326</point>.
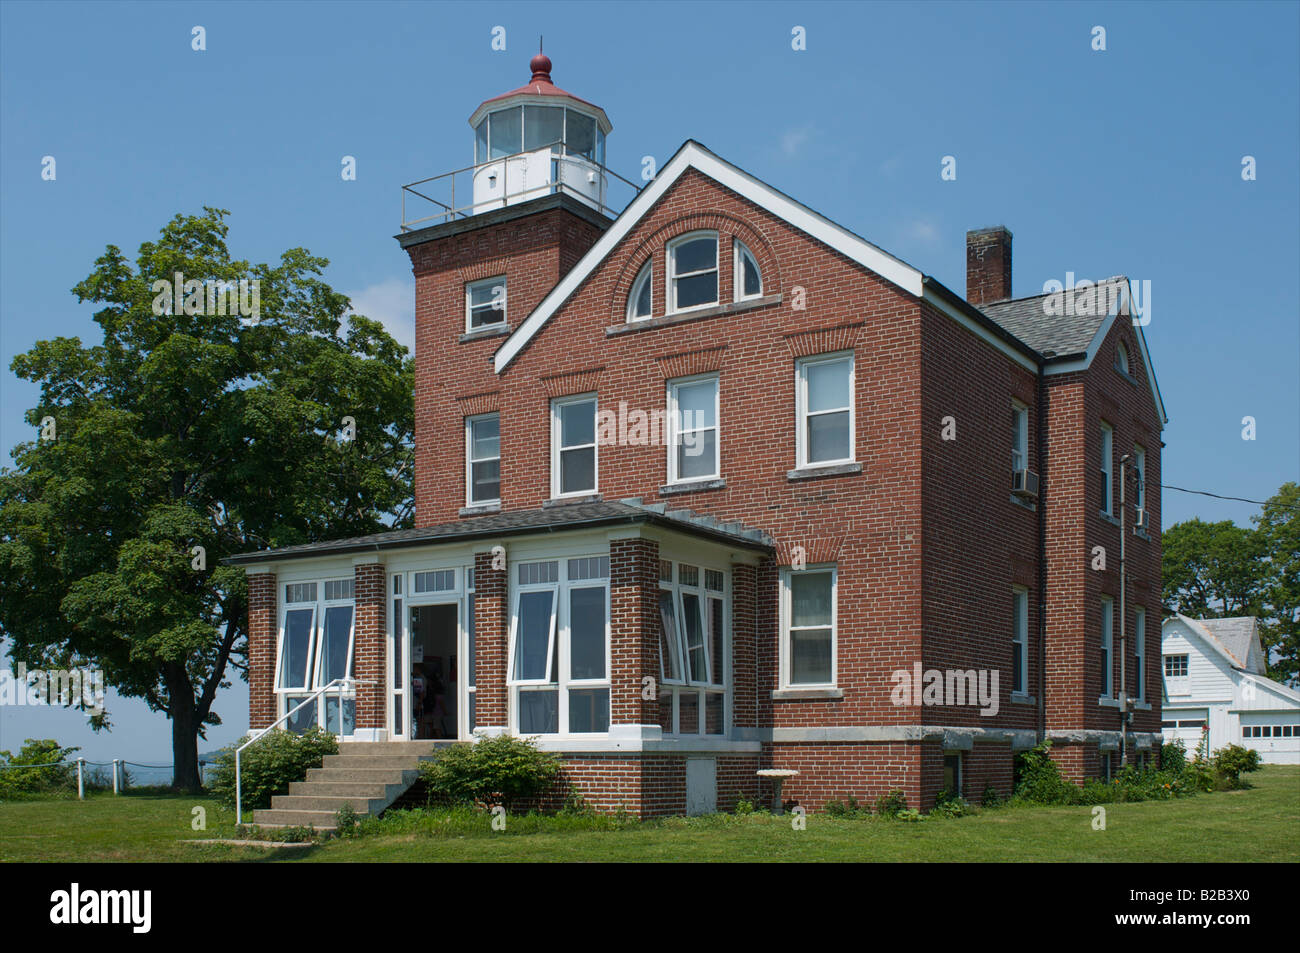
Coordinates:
<point>1140,651</point>
<point>824,406</point>
<point>1107,642</point>
<point>1107,469</point>
<point>483,459</point>
<point>1140,472</point>
<point>573,445</point>
<point>1019,437</point>
<point>316,648</point>
<point>1020,640</point>
<point>559,659</point>
<point>485,303</point>
<point>808,627</point>
<point>693,271</point>
<point>692,649</point>
<point>693,412</point>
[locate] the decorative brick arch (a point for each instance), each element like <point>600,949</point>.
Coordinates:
<point>653,246</point>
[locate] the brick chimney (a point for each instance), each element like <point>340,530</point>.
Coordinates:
<point>988,265</point>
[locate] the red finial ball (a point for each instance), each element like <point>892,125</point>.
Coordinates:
<point>541,67</point>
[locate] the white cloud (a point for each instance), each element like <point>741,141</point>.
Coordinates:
<point>921,232</point>
<point>792,141</point>
<point>392,303</point>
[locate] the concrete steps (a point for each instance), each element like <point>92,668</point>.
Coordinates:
<point>366,776</point>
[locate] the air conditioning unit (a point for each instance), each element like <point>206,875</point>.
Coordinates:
<point>1140,523</point>
<point>1025,483</point>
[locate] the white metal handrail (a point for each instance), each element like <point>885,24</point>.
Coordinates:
<point>340,685</point>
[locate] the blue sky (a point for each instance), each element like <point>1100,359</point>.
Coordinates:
<point>1123,161</point>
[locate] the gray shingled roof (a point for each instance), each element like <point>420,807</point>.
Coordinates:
<point>1239,637</point>
<point>520,522</point>
<point>1066,333</point>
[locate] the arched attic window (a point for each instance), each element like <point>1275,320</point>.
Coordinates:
<point>1121,358</point>
<point>640,302</point>
<point>748,280</point>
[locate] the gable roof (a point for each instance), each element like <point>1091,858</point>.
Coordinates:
<point>1235,639</point>
<point>1010,331</point>
<point>1069,340</point>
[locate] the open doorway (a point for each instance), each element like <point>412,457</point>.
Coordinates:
<point>434,671</point>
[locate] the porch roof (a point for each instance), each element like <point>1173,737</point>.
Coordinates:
<point>570,516</point>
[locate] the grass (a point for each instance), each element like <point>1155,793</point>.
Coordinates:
<point>1258,824</point>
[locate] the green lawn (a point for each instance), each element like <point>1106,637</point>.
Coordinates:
<point>1254,825</point>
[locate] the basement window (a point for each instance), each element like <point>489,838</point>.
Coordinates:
<point>693,271</point>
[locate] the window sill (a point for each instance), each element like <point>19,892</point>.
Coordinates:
<point>1106,701</point>
<point>692,486</point>
<point>683,317</point>
<point>480,509</point>
<point>813,473</point>
<point>1112,520</point>
<point>1024,503</point>
<point>799,694</point>
<point>491,331</point>
<point>1020,698</point>
<point>566,500</point>
<point>1141,534</point>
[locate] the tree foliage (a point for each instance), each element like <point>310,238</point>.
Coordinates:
<point>184,430</point>
<point>1214,570</point>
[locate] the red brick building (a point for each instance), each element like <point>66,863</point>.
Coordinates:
<point>713,485</point>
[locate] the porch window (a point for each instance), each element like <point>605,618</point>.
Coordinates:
<point>808,627</point>
<point>316,647</point>
<point>560,654</point>
<point>692,649</point>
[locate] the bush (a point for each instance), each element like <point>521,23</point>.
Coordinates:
<point>25,782</point>
<point>949,803</point>
<point>1038,779</point>
<point>849,807</point>
<point>1173,756</point>
<point>1231,761</point>
<point>502,770</point>
<point>744,807</point>
<point>891,804</point>
<point>991,797</point>
<point>270,764</point>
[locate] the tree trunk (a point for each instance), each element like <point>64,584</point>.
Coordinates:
<point>185,734</point>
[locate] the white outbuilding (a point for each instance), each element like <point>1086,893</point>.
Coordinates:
<point>1214,680</point>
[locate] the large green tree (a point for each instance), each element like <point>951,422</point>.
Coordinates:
<point>184,430</point>
<point>1213,570</point>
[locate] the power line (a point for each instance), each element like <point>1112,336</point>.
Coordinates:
<point>1218,496</point>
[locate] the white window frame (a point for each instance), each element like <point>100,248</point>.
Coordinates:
<point>671,276</point>
<point>643,278</point>
<point>1186,664</point>
<point>785,659</point>
<point>740,251</point>
<point>560,641</point>
<point>1140,466</point>
<point>1020,458</point>
<point>557,449</point>
<point>1020,637</point>
<point>316,637</point>
<point>1121,358</point>
<point>1140,650</point>
<point>1108,646</point>
<point>710,684</point>
<point>470,287</point>
<point>470,460</point>
<point>674,434</point>
<point>801,408</point>
<point>1108,467</point>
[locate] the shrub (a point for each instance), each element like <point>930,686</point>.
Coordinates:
<point>744,807</point>
<point>346,821</point>
<point>504,770</point>
<point>991,797</point>
<point>849,807</point>
<point>1231,761</point>
<point>949,803</point>
<point>1038,779</point>
<point>891,804</point>
<point>1173,756</point>
<point>269,764</point>
<point>19,782</point>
